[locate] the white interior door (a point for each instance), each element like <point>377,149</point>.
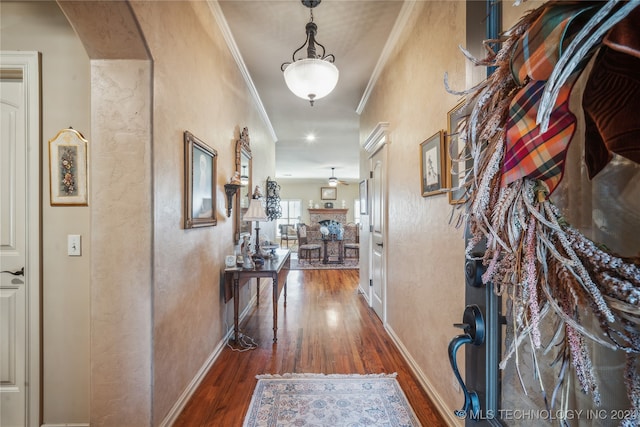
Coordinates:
<point>19,229</point>
<point>378,219</point>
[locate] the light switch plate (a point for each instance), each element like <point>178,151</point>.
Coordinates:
<point>74,245</point>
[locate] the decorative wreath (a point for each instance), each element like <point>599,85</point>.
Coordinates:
<point>517,134</point>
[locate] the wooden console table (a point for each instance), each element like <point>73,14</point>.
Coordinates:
<point>275,269</point>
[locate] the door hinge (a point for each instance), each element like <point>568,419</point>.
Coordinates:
<point>370,228</point>
<point>370,282</point>
<point>370,174</point>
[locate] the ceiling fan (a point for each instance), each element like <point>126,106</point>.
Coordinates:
<point>333,181</point>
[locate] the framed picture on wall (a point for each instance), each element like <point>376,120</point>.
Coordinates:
<point>199,178</point>
<point>458,159</point>
<point>363,198</point>
<point>431,165</point>
<point>68,169</point>
<point>328,193</point>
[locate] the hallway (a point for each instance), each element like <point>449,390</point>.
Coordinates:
<point>325,328</point>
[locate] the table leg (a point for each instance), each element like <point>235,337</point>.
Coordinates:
<point>258,291</point>
<point>274,279</point>
<point>236,307</point>
<point>325,259</point>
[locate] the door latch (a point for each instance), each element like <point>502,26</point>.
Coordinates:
<point>473,327</point>
<point>15,273</point>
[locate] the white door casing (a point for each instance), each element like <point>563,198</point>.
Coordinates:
<point>376,146</point>
<point>19,239</point>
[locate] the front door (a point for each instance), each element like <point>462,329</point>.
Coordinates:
<point>378,258</point>
<point>19,229</point>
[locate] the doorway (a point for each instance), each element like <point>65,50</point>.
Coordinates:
<point>20,239</point>
<point>376,146</point>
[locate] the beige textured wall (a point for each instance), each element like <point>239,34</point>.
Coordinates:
<point>40,26</point>
<point>156,308</point>
<point>425,285</point>
<point>197,87</point>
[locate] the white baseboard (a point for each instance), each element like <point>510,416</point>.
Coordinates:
<point>177,408</point>
<point>441,406</point>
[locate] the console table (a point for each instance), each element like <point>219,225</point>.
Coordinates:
<point>275,269</point>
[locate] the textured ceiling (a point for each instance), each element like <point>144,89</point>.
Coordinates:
<point>355,31</point>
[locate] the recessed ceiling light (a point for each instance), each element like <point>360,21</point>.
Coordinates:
<point>311,137</point>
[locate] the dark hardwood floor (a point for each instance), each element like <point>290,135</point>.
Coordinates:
<point>326,327</point>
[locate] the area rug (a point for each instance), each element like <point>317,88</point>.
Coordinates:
<point>295,264</point>
<point>329,400</point>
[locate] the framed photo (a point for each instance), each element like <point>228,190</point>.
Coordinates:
<point>328,193</point>
<point>363,198</point>
<point>68,169</point>
<point>431,162</point>
<point>459,159</point>
<point>199,178</point>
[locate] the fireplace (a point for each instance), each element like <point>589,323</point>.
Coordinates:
<point>317,215</point>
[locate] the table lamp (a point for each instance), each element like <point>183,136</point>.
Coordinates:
<point>256,213</point>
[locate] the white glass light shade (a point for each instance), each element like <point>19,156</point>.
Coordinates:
<point>311,78</point>
<point>255,212</point>
<point>333,181</point>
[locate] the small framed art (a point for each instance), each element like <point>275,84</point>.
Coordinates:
<point>68,180</point>
<point>363,198</point>
<point>458,160</point>
<point>431,162</point>
<point>328,193</point>
<point>199,178</point>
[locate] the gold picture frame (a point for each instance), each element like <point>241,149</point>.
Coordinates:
<point>458,159</point>
<point>200,185</point>
<point>68,180</point>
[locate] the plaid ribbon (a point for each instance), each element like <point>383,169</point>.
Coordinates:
<point>530,153</point>
<point>540,46</point>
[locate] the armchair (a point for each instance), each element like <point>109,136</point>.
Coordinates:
<point>287,233</point>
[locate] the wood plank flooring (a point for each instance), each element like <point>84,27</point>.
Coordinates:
<point>326,327</point>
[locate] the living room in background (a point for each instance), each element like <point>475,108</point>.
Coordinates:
<point>291,213</point>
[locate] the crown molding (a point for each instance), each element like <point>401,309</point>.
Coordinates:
<point>235,52</point>
<point>378,137</point>
<point>390,45</point>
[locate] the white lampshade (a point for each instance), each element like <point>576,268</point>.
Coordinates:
<point>311,78</point>
<point>333,181</point>
<point>255,212</point>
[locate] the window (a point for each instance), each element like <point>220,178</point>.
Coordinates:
<point>291,213</point>
<point>356,211</point>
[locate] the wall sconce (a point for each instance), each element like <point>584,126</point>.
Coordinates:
<point>230,190</point>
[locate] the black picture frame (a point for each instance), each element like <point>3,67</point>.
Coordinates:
<point>200,167</point>
<point>432,178</point>
<point>328,193</point>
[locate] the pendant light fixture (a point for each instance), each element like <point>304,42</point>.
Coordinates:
<point>333,181</point>
<point>315,76</point>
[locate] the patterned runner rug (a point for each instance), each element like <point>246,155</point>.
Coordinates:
<point>295,264</point>
<point>329,400</point>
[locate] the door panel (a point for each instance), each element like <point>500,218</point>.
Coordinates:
<point>378,258</point>
<point>13,309</point>
<point>19,239</point>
